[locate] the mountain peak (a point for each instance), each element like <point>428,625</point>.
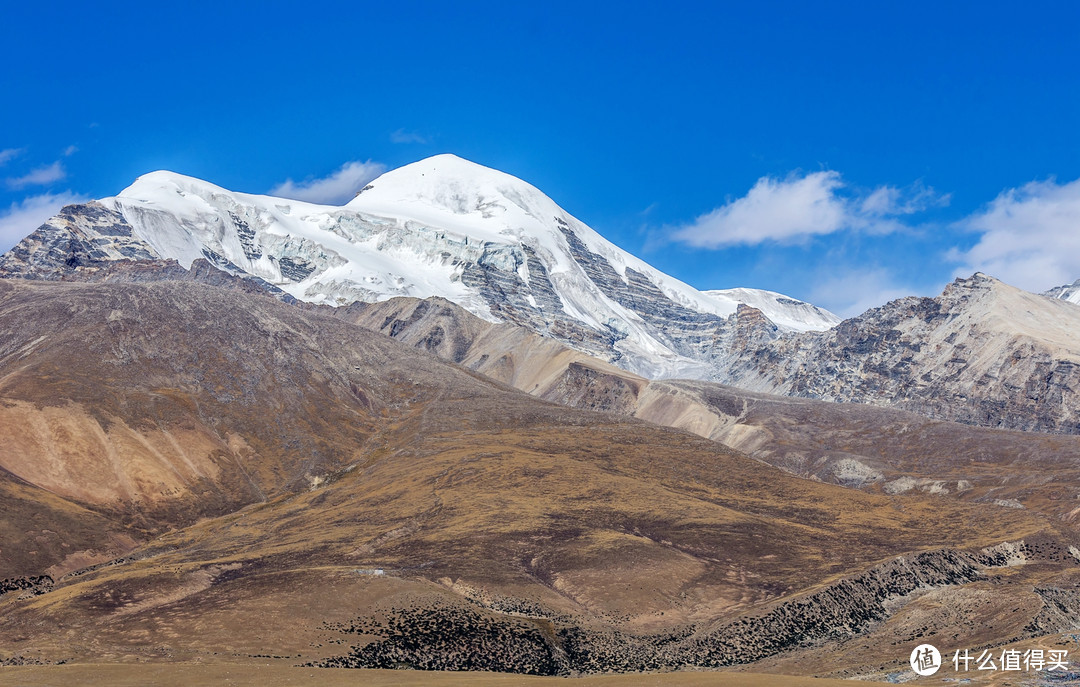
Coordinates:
<point>443,226</point>
<point>1066,292</point>
<point>979,279</point>
<point>165,179</point>
<point>492,204</point>
<point>442,170</point>
<point>967,287</point>
<point>787,312</point>
<point>446,166</point>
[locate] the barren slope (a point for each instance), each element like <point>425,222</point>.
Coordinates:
<point>404,511</point>
<point>852,444</point>
<point>508,353</point>
<point>610,539</point>
<point>982,353</point>
<point>156,404</point>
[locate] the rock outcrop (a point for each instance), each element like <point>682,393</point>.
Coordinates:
<point>444,637</point>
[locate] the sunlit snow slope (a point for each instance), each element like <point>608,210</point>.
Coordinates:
<point>1068,292</point>
<point>785,312</point>
<point>448,227</point>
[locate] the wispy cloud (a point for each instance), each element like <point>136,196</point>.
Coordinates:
<point>336,189</point>
<point>25,216</point>
<point>1029,236</point>
<point>9,154</point>
<point>886,201</point>
<point>42,176</point>
<point>852,291</point>
<point>798,207</point>
<point>70,150</point>
<point>403,136</point>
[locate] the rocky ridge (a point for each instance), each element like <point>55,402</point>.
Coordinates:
<point>448,637</point>
<point>982,353</point>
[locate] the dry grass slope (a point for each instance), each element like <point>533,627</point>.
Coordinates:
<point>357,498</point>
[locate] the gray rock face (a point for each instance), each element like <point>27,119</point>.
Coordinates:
<point>88,236</point>
<point>982,353</point>
<point>535,304</point>
<point>92,243</point>
<point>685,331</point>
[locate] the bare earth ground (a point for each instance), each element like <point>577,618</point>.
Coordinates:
<point>273,675</point>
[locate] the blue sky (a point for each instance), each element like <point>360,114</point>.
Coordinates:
<point>843,153</point>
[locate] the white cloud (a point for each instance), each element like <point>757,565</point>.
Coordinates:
<point>855,291</point>
<point>42,176</point>
<point>1030,236</point>
<point>336,189</point>
<point>402,136</point>
<point>776,210</point>
<point>23,217</point>
<point>796,208</point>
<point>882,201</point>
<point>71,150</point>
<point>9,154</point>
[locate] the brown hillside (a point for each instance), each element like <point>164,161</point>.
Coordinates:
<point>366,504</point>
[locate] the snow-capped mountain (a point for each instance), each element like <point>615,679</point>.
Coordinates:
<point>506,252</point>
<point>785,312</point>
<point>443,226</point>
<point>1068,292</point>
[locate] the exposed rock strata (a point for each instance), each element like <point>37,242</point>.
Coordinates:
<point>88,236</point>
<point>457,638</point>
